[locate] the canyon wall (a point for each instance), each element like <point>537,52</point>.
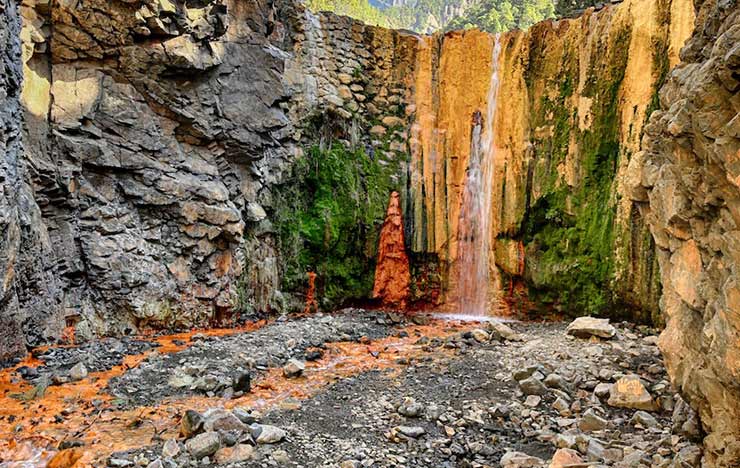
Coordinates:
<point>159,142</point>
<point>188,160</point>
<point>10,177</point>
<point>686,183</point>
<point>573,99</point>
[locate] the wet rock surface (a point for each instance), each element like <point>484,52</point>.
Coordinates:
<point>457,403</point>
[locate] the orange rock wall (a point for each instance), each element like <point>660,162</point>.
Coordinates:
<point>557,82</point>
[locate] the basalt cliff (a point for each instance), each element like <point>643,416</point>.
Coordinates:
<point>173,163</point>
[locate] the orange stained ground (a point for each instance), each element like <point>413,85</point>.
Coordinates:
<point>31,439</point>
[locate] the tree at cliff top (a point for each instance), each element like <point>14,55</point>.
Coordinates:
<point>431,15</point>
<point>504,15</point>
<point>359,9</point>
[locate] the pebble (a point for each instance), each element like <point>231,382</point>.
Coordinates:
<point>203,445</point>
<point>532,386</point>
<point>629,392</point>
<point>78,372</point>
<point>170,449</point>
<point>294,368</point>
<point>590,422</point>
<point>267,434</point>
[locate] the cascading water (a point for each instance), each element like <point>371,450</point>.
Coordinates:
<point>474,235</point>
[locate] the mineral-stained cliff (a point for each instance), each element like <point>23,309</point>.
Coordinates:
<point>186,159</point>
<point>573,99</point>
<point>687,182</point>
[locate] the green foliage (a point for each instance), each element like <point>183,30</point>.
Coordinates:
<point>504,15</point>
<point>569,8</point>
<point>330,216</point>
<point>428,15</point>
<point>359,9</point>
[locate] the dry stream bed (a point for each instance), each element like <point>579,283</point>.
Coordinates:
<point>353,389</point>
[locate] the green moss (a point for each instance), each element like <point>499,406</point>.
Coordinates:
<point>330,214</point>
<point>569,231</point>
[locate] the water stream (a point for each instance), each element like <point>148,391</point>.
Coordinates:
<point>474,235</point>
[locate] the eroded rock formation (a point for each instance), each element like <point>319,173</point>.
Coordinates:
<point>686,181</point>
<point>392,274</point>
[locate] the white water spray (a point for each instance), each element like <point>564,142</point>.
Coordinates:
<point>474,236</point>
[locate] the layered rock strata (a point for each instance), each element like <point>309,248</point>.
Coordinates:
<point>686,183</point>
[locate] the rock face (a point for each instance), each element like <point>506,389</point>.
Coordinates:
<point>574,97</point>
<point>686,181</point>
<point>168,147</point>
<point>10,150</point>
<point>28,289</point>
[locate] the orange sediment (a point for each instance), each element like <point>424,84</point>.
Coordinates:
<point>29,429</point>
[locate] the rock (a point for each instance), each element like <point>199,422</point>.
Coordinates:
<point>314,354</point>
<point>410,408</point>
<point>634,459</point>
<point>245,415</point>
<point>66,458</point>
<point>529,371</point>
<point>564,441</point>
<point>155,464</point>
<point>688,456</point>
<point>685,421</point>
<point>119,463</point>
<point>532,386</point>
<point>557,381</point>
<point>481,336</point>
<point>520,460</point>
<point>594,450</point>
<point>344,78</point>
<point>294,368</point>
<point>603,390</point>
<point>644,419</point>
<point>170,449</point>
<point>565,457</point>
<point>191,424</point>
<point>378,130</point>
<point>203,445</point>
<point>255,212</point>
<point>628,392</point>
<point>266,434</point>
<point>586,327</point>
<point>78,372</point>
<point>532,401</point>
<point>350,464</point>
<point>392,121</point>
<point>411,431</point>
<point>219,419</point>
<point>590,421</point>
<point>499,329</point>
<point>236,454</point>
<point>562,407</point>
<point>243,383</point>
<point>281,457</point>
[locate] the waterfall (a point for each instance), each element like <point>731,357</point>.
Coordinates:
<point>474,235</point>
